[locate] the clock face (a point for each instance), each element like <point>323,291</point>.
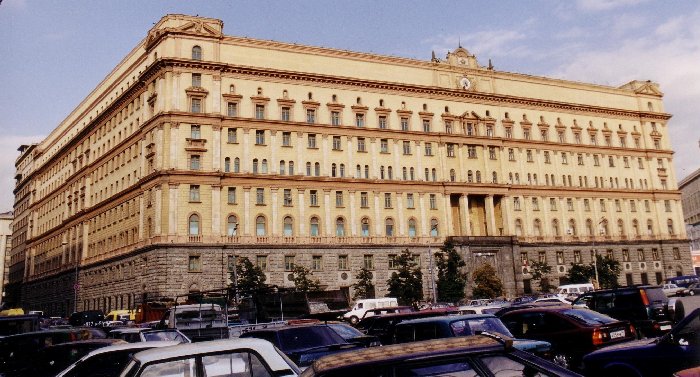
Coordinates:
<point>465,83</point>
<point>462,61</point>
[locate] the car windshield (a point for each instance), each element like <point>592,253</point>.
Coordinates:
<point>301,338</point>
<point>656,295</point>
<point>478,325</point>
<point>164,335</point>
<point>588,317</point>
<point>346,331</point>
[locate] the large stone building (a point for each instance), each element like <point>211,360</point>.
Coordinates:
<point>690,193</point>
<point>200,147</point>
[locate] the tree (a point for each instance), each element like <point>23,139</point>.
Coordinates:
<point>486,282</point>
<point>302,280</point>
<point>451,280</point>
<point>539,271</point>
<point>580,273</point>
<point>406,283</point>
<point>364,288</point>
<point>249,277</point>
<point>608,272</point>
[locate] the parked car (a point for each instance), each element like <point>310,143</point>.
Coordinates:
<point>507,309</point>
<point>391,310</point>
<point>478,355</point>
<point>17,352</point>
<point>572,332</point>
<point>671,290</point>
<point>677,350</point>
<point>571,291</point>
<point>693,289</point>
<point>555,300</point>
<point>226,357</point>
<point>49,361</point>
<point>645,306</point>
<point>109,361</point>
<point>141,334</point>
<point>382,326</point>
<point>353,335</point>
<point>361,306</point>
<point>463,325</point>
<point>304,343</point>
<point>87,318</point>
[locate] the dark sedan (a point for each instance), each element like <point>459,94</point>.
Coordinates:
<point>675,351</point>
<point>572,332</point>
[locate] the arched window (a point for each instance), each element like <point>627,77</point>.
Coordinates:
<point>534,178</point>
<point>366,171</point>
<point>197,53</point>
<point>236,165</point>
<point>255,166</point>
<point>589,227</point>
<point>264,166</point>
<point>412,227</point>
<point>478,176</point>
<point>572,228</point>
<point>434,231</point>
<point>434,172</point>
<point>232,225</point>
<point>470,176</point>
<point>364,227</point>
<point>342,171</point>
<point>334,169</point>
<point>555,227</point>
<point>604,227</point>
<point>453,175</point>
<point>412,174</point>
<point>282,166</point>
<point>314,230</point>
<point>620,227</point>
<point>390,172</point>
<point>404,172</point>
<point>389,227</point>
<point>669,224</point>
<point>317,169</point>
<point>308,169</point>
<point>288,226</point>
<point>381,172</point>
<point>340,227</point>
<point>537,227</point>
<point>194,225</point>
<point>518,227</point>
<point>635,228</point>
<point>358,172</point>
<point>260,226</point>
<point>494,177</point>
<point>227,164</point>
<point>517,178</point>
<point>650,227</point>
<point>291,167</point>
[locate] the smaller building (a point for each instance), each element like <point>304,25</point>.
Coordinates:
<point>690,197</point>
<point>5,246</point>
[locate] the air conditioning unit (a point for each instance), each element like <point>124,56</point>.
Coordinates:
<point>343,276</point>
<point>628,266</point>
<point>561,269</point>
<point>642,265</point>
<point>657,265</point>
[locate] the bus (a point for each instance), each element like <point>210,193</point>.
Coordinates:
<point>683,281</point>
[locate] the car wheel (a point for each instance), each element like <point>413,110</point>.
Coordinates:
<point>354,320</point>
<point>692,293</point>
<point>563,360</point>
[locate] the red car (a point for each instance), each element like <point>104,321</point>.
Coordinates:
<point>572,332</point>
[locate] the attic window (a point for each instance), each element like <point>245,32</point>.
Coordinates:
<point>334,98</point>
<point>359,101</point>
<point>425,107</point>
<point>488,113</point>
<point>447,109</point>
<point>311,96</point>
<point>260,92</point>
<point>197,53</point>
<point>381,103</point>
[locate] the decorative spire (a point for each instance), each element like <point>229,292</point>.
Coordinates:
<point>490,65</point>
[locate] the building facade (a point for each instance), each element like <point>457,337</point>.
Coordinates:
<point>5,247</point>
<point>199,148</point>
<point>690,193</point>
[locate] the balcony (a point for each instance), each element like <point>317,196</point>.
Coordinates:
<point>196,145</point>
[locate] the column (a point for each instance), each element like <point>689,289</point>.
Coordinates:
<point>464,214</point>
<point>275,214</point>
<point>175,77</point>
<point>424,224</point>
<point>86,244</point>
<point>446,217</point>
<point>301,205</point>
<point>247,226</point>
<point>246,161</point>
<point>399,218</point>
<point>375,164</point>
<point>216,93</point>
<point>274,164</point>
<point>377,218</point>
<point>327,211</point>
<point>397,164</point>
<point>326,160</point>
<point>353,213</point>
<point>508,220</point>
<point>142,209</point>
<point>300,153</point>
<point>419,168</point>
<point>158,217</point>
<point>174,142</point>
<point>159,159</point>
<point>216,148</point>
<point>215,210</point>
<point>351,161</point>
<point>490,216</point>
<point>461,173</point>
<point>172,208</point>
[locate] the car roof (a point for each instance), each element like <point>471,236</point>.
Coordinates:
<point>287,327</point>
<point>627,288</point>
<point>404,351</point>
<point>128,330</point>
<point>446,319</point>
<point>128,346</point>
<point>263,347</point>
<point>87,342</point>
<point>553,308</point>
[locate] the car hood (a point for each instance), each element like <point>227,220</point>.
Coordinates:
<point>531,345</point>
<point>631,345</point>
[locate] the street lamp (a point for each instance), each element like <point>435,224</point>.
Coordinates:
<point>433,227</point>
<point>595,252</point>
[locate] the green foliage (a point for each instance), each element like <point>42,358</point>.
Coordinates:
<point>249,277</point>
<point>580,273</point>
<point>451,279</point>
<point>406,284</point>
<point>539,272</point>
<point>364,288</point>
<point>608,272</point>
<point>486,282</point>
<point>302,280</point>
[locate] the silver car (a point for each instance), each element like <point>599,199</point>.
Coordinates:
<point>109,361</point>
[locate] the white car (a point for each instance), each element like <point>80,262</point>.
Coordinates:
<point>555,300</point>
<point>226,357</point>
<point>109,361</point>
<point>673,290</point>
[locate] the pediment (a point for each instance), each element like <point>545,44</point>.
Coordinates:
<point>649,89</point>
<point>199,27</point>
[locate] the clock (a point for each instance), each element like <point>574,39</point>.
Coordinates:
<point>465,83</point>
<point>462,61</point>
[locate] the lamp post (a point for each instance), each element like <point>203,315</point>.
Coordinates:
<point>433,227</point>
<point>595,252</point>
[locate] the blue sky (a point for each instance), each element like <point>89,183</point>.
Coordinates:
<point>53,53</point>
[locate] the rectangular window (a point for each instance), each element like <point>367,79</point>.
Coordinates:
<point>313,198</point>
<point>560,257</point>
<point>553,204</point>
<point>259,137</point>
<point>360,120</point>
<point>509,133</point>
<point>528,153</point>
<point>335,118</point>
<point>259,196</point>
<point>667,205</point>
<point>633,206</point>
<point>535,204</point>
<point>288,262</point>
<point>406,147</point>
<point>194,193</point>
<point>450,150</point>
<point>387,200</point>
<point>409,201</point>
<point>392,262</point>
<point>310,116</point>
<point>541,256</point>
<point>580,158</point>
<point>197,80</point>
<point>261,262</point>
<point>511,154</point>
<point>577,256</point>
<point>586,205</point>
<point>316,263</point>
<point>547,160</point>
<point>231,195</point>
<point>625,255</point>
<point>312,141</point>
<point>286,139</point>
<point>361,144</point>
<point>195,132</point>
<point>489,131</point>
<point>196,105</point>
<point>526,134</point>
<point>194,263</point>
<point>428,149</point>
<point>368,261</point>
<point>516,203</point>
<point>626,162</point>
<point>259,111</point>
<point>342,262</point>
<point>618,206</point>
<point>676,253</point>
<point>647,207</point>
<point>433,201</point>
<point>195,162</point>
<point>338,198</point>
<point>285,113</point>
<point>337,146</point>
<point>570,204</point>
<point>232,109</point>
<point>492,153</point>
<point>384,146</point>
<point>404,124</point>
<point>287,197</point>
<point>364,200</point>
<point>382,122</point>
<point>564,158</point>
<point>233,135</point>
<point>471,151</point>
<point>426,125</point>
<point>596,160</point>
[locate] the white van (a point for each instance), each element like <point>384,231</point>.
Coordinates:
<point>361,306</point>
<point>573,290</point>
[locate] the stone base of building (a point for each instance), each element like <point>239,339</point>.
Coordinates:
<point>167,271</point>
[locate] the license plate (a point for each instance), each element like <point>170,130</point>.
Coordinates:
<point>617,334</point>
<point>665,327</point>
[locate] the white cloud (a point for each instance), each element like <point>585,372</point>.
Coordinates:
<point>602,5</point>
<point>8,155</point>
<point>484,44</point>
